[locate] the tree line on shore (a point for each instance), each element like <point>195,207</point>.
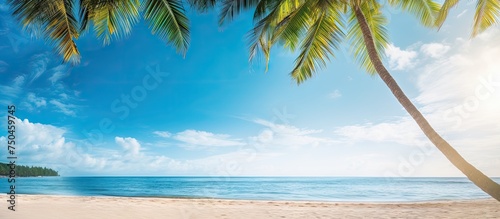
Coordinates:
<point>26,171</point>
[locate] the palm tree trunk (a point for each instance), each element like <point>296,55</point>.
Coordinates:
<point>477,177</point>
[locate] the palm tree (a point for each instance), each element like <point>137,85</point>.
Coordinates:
<point>56,21</point>
<point>317,27</point>
<point>487,14</point>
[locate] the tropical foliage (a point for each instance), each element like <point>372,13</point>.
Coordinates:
<point>487,14</point>
<point>57,21</point>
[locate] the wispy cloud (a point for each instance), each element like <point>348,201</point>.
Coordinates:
<point>38,65</point>
<point>33,103</point>
<point>67,109</point>
<point>203,138</point>
<point>335,94</point>
<point>400,59</point>
<point>402,131</point>
<point>58,73</point>
<point>163,134</point>
<point>12,91</point>
<point>37,101</point>
<point>287,136</point>
<point>434,50</point>
<point>3,66</point>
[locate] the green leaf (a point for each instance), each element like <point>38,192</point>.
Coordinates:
<point>55,19</point>
<point>292,28</point>
<point>263,36</point>
<point>232,8</point>
<point>487,14</point>
<point>426,10</point>
<point>167,20</point>
<point>202,5</point>
<point>110,17</point>
<point>443,13</point>
<point>322,37</point>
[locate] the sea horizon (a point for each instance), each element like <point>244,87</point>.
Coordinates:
<point>279,188</point>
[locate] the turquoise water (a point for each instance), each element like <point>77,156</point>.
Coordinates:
<point>257,188</point>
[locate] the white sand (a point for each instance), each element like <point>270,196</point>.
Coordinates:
<point>55,207</point>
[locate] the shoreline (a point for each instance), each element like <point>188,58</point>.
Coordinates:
<point>260,200</point>
<point>82,207</point>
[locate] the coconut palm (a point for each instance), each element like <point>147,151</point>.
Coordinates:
<point>487,14</point>
<point>317,27</point>
<point>56,20</point>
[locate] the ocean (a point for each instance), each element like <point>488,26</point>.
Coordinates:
<point>355,189</point>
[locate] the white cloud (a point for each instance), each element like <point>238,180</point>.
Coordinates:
<point>3,66</point>
<point>12,91</point>
<point>38,101</point>
<point>58,72</point>
<point>452,79</point>
<point>434,50</point>
<point>202,138</point>
<point>459,95</point>
<point>39,65</point>
<point>45,144</point>
<point>130,145</point>
<point>163,134</point>
<point>335,94</point>
<point>67,109</point>
<point>286,129</point>
<point>400,59</point>
<point>287,136</point>
<point>33,103</point>
<point>401,130</point>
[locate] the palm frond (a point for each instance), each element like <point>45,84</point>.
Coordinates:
<point>487,14</point>
<point>376,21</point>
<point>110,17</point>
<point>56,20</point>
<point>167,19</point>
<point>292,28</point>
<point>322,37</point>
<point>261,36</point>
<point>260,40</point>
<point>202,5</point>
<point>262,8</point>
<point>232,8</point>
<point>426,10</point>
<point>443,13</point>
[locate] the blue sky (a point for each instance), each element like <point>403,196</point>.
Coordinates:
<point>136,107</point>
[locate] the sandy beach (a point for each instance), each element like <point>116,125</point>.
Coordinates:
<point>49,207</point>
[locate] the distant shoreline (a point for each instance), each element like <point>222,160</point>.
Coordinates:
<point>2,176</point>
